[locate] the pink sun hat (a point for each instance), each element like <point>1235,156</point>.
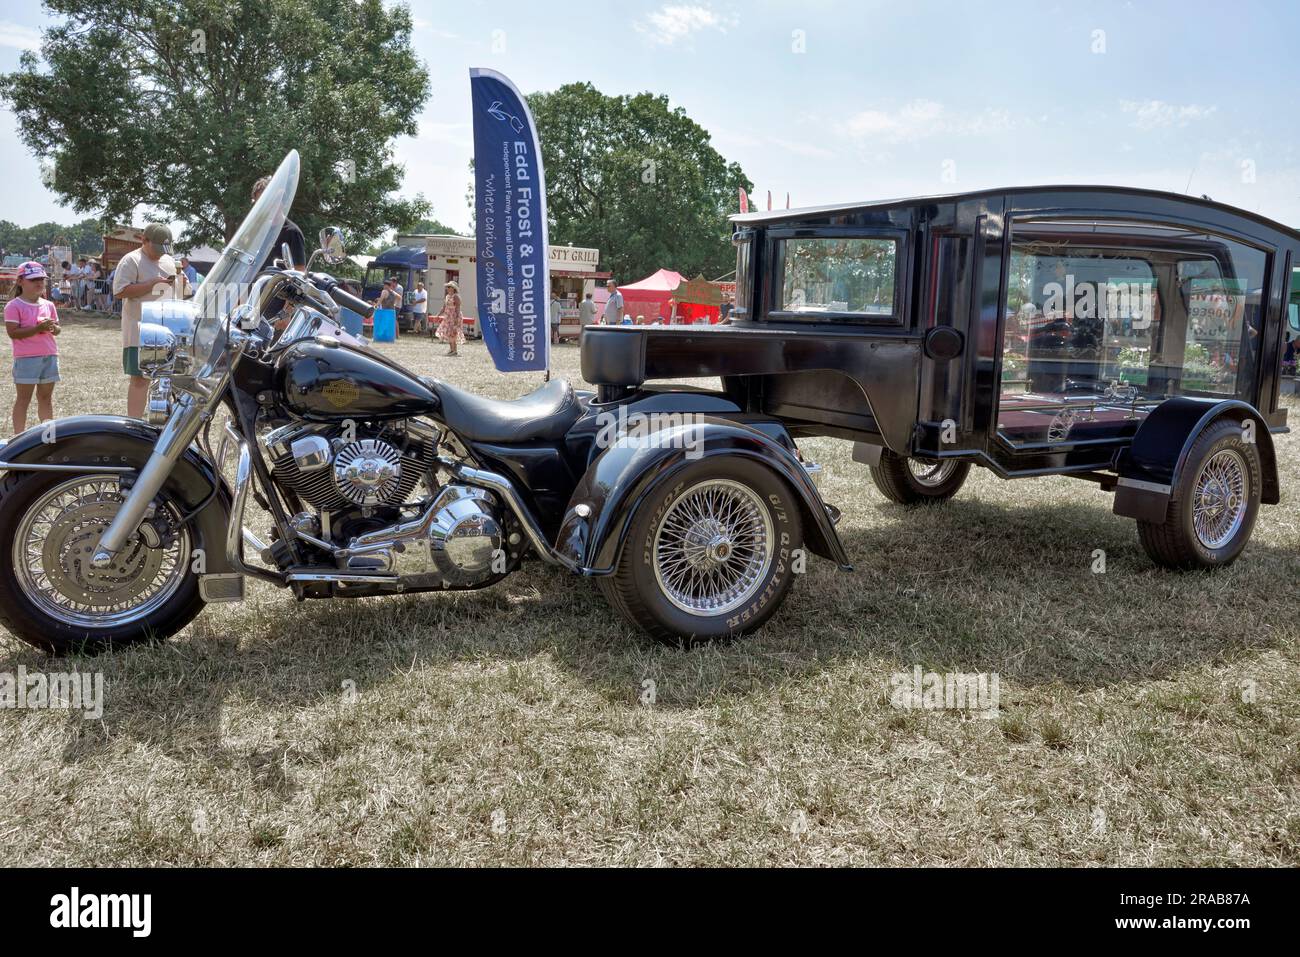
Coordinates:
<point>31,270</point>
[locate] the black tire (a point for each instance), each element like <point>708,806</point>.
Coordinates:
<point>634,590</point>
<point>1175,542</point>
<point>25,619</point>
<point>896,481</point>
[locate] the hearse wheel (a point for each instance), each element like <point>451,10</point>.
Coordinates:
<point>708,555</point>
<point>910,481</point>
<point>1213,507</point>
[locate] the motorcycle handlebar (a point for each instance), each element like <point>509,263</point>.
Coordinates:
<point>342,297</point>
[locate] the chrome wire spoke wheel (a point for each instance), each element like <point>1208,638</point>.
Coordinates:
<point>931,474</point>
<point>1219,498</point>
<point>713,547</point>
<point>57,537</point>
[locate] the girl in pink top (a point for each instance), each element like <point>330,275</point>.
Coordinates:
<point>32,322</point>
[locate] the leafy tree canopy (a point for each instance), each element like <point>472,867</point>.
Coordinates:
<point>180,105</point>
<point>86,237</point>
<point>637,179</point>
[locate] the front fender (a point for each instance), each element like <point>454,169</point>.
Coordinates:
<point>111,441</point>
<point>1150,468</point>
<point>630,470</point>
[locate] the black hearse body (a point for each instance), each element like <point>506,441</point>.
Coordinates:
<point>1128,337</point>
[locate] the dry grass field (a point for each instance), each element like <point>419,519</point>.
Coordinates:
<point>1146,717</point>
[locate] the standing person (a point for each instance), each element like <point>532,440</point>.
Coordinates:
<point>586,313</point>
<point>191,274</point>
<point>420,308</point>
<point>289,234</point>
<point>144,274</point>
<point>72,273</point>
<point>32,322</point>
<point>94,282</point>
<point>451,329</point>
<point>724,311</point>
<point>401,298</point>
<point>556,306</point>
<point>614,306</point>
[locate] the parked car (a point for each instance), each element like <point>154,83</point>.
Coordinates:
<point>1128,338</point>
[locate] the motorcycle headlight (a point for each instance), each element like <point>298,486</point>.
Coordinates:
<point>157,349</point>
<point>177,317</point>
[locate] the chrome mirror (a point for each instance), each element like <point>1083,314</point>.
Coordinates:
<point>331,245</point>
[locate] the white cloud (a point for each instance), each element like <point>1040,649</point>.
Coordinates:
<point>18,37</point>
<point>919,119</point>
<point>1157,114</point>
<point>673,22</point>
<point>799,148</point>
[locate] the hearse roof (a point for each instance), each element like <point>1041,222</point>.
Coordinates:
<point>775,216</point>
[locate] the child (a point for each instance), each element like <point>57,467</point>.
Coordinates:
<point>32,322</point>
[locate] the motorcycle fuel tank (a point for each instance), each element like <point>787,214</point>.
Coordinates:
<point>324,380</point>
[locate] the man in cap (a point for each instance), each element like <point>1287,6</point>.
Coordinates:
<point>142,275</point>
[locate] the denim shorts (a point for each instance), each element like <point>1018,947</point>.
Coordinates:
<point>36,370</point>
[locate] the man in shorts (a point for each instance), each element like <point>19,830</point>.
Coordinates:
<point>143,275</point>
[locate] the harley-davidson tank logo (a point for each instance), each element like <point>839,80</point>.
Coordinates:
<point>340,393</point>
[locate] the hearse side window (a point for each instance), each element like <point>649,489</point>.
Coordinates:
<point>1102,323</point>
<point>744,278</point>
<point>833,278</point>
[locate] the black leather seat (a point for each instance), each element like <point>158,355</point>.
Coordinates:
<point>545,414</point>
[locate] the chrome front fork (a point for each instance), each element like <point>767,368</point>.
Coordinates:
<point>176,436</point>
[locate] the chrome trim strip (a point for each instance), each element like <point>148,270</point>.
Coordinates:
<point>1145,486</point>
<point>40,467</point>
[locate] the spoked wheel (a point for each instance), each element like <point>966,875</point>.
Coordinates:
<point>712,547</point>
<point>52,597</point>
<point>929,473</point>
<point>1213,507</point>
<point>912,481</point>
<point>710,555</point>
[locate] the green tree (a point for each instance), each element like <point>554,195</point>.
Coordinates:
<point>85,237</point>
<point>637,179</point>
<point>427,227</point>
<point>179,105</point>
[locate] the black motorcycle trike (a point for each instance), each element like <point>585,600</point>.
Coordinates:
<point>934,334</point>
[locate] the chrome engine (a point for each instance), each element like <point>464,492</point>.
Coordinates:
<point>360,483</point>
<point>331,470</point>
<point>459,540</point>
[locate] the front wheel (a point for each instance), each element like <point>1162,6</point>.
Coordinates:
<point>51,596</point>
<point>709,555</point>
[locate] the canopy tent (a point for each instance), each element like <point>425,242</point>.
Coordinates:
<point>653,298</point>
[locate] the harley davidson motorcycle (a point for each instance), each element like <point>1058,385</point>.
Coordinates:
<point>378,481</point>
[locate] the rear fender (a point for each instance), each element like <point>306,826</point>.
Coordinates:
<point>1151,467</point>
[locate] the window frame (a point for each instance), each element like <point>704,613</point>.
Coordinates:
<point>774,253</point>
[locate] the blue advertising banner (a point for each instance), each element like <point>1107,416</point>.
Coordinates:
<point>514,282</point>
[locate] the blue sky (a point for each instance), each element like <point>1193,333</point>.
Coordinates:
<point>885,99</point>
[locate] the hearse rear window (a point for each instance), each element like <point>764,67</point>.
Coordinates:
<point>830,278</point>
